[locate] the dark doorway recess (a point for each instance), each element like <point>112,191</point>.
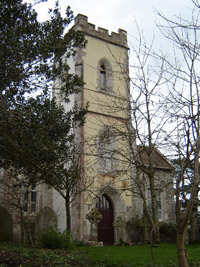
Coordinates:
<point>105,226</point>
<point>6,226</point>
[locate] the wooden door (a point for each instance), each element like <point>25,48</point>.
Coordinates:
<point>105,226</point>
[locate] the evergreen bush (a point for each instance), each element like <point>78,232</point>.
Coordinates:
<point>168,232</point>
<point>54,239</point>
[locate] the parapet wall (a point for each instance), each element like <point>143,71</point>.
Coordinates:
<point>81,23</point>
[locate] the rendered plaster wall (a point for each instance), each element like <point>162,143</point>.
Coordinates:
<point>107,108</point>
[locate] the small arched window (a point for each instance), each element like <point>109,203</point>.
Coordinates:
<point>103,77</point>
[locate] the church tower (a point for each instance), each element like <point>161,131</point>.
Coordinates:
<point>110,179</point>
<point>103,64</point>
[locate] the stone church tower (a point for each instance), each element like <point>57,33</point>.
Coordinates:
<point>103,64</point>
<point>108,140</point>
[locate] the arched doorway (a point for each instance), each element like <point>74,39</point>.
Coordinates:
<point>105,226</point>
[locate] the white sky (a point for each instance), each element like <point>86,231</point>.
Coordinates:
<point>114,14</point>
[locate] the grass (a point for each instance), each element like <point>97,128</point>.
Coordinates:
<point>164,255</point>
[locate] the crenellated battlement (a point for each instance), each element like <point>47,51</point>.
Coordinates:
<point>81,23</point>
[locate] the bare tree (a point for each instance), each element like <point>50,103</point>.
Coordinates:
<point>147,79</point>
<point>183,106</point>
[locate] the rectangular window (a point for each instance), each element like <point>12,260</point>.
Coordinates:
<point>105,154</point>
<point>79,70</point>
<point>158,197</point>
<point>30,200</point>
<point>105,150</point>
<point>33,200</point>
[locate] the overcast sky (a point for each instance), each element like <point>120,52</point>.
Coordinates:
<point>114,14</point>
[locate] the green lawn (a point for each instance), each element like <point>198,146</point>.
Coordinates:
<point>164,255</point>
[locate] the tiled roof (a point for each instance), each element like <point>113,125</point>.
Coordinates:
<point>159,160</point>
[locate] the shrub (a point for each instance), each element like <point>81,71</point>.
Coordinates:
<point>77,243</point>
<point>168,232</point>
<point>54,239</point>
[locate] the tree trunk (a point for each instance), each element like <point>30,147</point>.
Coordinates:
<point>181,249</point>
<point>22,226</point>
<point>156,235</point>
<point>155,229</point>
<point>68,213</point>
<point>193,231</point>
<point>145,233</point>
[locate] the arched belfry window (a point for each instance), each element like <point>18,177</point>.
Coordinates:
<point>104,76</point>
<point>107,151</point>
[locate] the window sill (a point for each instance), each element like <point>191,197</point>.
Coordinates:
<point>107,172</point>
<point>105,91</point>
